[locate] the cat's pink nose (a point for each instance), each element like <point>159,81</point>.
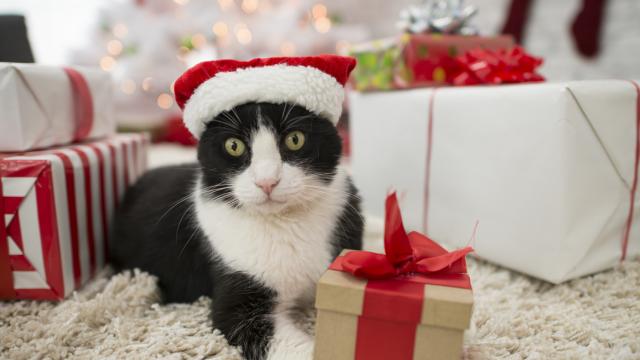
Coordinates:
<point>267,185</point>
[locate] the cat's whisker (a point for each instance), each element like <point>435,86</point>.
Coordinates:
<point>288,112</point>
<point>226,121</point>
<point>235,114</point>
<point>319,190</point>
<point>231,121</point>
<point>293,122</point>
<point>284,109</point>
<point>187,242</point>
<point>174,205</point>
<point>191,207</point>
<point>217,188</point>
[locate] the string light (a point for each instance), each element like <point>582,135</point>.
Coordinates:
<point>220,29</point>
<point>249,6</point>
<point>288,48</point>
<point>319,11</point>
<point>198,41</point>
<point>128,86</point>
<point>243,34</point>
<point>147,83</point>
<point>322,25</point>
<point>225,4</point>
<point>120,30</point>
<point>181,2</point>
<point>114,47</point>
<point>107,63</point>
<point>164,101</point>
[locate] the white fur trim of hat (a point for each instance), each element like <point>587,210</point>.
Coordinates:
<point>204,98</point>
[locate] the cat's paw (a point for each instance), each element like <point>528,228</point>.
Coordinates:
<point>291,350</point>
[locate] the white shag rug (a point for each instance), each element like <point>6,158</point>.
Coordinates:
<point>515,317</point>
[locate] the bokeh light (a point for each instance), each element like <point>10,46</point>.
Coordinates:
<point>164,101</point>
<point>107,63</point>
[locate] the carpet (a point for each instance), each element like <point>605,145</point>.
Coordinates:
<point>515,317</point>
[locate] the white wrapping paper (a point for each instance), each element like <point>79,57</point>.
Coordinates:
<point>37,106</point>
<point>545,169</point>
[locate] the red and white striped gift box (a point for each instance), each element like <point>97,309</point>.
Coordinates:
<point>58,205</point>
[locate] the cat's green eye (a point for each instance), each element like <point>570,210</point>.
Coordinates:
<point>294,140</point>
<point>234,146</point>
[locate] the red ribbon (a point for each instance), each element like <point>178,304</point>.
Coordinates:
<point>405,254</point>
<point>82,104</point>
<point>634,184</point>
<point>504,66</point>
<point>427,174</point>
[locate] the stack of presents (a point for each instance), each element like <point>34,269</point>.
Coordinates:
<point>469,134</point>
<point>63,171</point>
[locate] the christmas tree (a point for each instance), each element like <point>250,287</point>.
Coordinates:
<point>147,44</point>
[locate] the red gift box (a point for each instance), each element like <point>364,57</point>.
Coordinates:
<point>418,60</point>
<point>431,58</point>
<point>57,206</point>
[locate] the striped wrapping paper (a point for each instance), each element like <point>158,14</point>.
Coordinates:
<point>58,205</point>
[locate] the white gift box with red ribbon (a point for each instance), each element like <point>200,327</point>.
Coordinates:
<point>549,171</point>
<point>57,206</point>
<point>44,106</point>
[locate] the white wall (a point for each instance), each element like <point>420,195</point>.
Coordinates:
<point>55,26</point>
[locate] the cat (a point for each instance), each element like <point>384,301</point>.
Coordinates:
<point>253,225</point>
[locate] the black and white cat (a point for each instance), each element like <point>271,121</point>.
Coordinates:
<point>253,225</point>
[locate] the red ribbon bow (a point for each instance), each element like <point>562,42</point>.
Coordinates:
<point>404,253</point>
<point>481,66</point>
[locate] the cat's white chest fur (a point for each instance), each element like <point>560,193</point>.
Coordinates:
<point>287,252</point>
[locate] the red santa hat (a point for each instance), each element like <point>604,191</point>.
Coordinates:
<point>212,87</point>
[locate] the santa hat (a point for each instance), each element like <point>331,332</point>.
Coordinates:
<point>212,87</point>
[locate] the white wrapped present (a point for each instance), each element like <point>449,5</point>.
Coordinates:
<point>548,171</point>
<point>44,106</point>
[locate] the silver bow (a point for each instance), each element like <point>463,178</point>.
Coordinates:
<point>438,16</point>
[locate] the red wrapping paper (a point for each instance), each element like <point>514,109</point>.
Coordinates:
<point>431,58</point>
<point>496,67</point>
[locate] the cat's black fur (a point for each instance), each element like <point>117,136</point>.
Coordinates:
<point>156,229</point>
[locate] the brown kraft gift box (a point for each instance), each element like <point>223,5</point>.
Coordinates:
<point>411,305</point>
